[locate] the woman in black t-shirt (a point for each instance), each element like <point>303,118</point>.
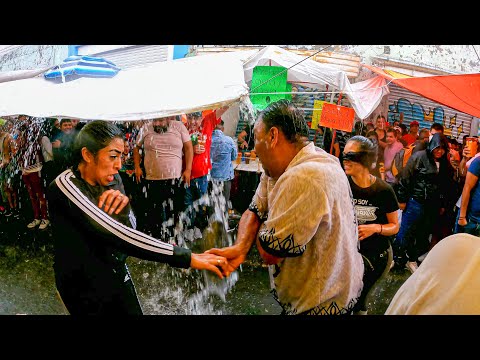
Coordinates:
<point>376,207</point>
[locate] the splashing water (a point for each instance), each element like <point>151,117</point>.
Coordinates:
<point>170,290</point>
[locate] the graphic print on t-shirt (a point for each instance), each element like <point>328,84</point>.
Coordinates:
<point>365,211</point>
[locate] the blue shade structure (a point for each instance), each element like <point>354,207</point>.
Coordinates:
<point>78,66</point>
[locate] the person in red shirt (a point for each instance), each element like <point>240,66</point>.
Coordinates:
<point>411,137</point>
<point>200,126</point>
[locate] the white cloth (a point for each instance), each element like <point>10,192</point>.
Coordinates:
<point>311,224</point>
<point>47,151</point>
<point>446,283</point>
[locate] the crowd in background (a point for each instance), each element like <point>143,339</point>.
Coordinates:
<point>169,166</point>
<point>411,187</point>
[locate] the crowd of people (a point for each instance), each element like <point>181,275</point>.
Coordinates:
<point>330,223</point>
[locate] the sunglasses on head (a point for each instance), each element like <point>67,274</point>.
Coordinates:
<point>354,156</point>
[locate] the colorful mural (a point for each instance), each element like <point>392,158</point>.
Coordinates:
<point>453,127</point>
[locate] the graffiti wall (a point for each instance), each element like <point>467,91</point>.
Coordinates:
<point>426,112</point>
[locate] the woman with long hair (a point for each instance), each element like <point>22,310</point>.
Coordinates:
<point>94,230</point>
<point>376,207</point>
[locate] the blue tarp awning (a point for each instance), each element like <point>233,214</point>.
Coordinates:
<point>77,66</point>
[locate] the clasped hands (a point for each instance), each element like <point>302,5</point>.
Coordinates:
<point>220,261</point>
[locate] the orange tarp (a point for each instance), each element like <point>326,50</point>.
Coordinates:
<point>460,92</point>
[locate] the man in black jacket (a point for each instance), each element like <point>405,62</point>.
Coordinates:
<point>422,194</point>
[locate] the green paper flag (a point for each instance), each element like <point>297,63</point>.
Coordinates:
<point>277,84</point>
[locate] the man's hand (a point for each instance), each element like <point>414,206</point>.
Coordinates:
<point>113,200</point>
<point>138,174</point>
<point>56,144</point>
<point>402,206</point>
<point>234,255</point>
<point>186,177</point>
<point>462,221</point>
<point>199,149</point>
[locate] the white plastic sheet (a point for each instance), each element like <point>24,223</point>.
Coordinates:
<point>177,87</point>
<point>145,92</point>
<point>313,74</point>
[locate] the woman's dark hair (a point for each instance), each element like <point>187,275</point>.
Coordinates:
<point>95,136</point>
<point>284,115</point>
<point>372,133</point>
<point>368,148</point>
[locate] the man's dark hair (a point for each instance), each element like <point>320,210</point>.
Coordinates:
<point>65,120</point>
<point>423,134</point>
<point>391,130</point>
<point>437,127</point>
<point>284,115</point>
<point>372,133</point>
<point>95,136</point>
<point>196,114</point>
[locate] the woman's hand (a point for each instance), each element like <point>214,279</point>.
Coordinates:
<point>234,254</point>
<point>466,152</point>
<point>210,262</point>
<point>364,231</point>
<point>113,200</point>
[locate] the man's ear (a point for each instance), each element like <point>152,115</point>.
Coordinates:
<point>274,134</point>
<point>87,155</point>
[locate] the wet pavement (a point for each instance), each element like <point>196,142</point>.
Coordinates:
<point>27,284</point>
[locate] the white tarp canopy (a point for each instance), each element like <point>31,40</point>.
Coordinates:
<point>363,96</point>
<point>144,92</point>
<point>177,87</point>
<point>20,74</point>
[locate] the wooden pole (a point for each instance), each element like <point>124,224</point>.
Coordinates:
<point>335,130</point>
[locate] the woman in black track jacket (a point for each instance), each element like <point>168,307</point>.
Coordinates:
<point>94,230</point>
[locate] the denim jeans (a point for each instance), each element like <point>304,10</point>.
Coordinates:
<point>198,187</point>
<point>415,228</point>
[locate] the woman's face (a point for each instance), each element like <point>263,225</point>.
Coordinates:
<point>351,167</point>
<point>380,123</point>
<point>107,163</point>
<point>438,152</point>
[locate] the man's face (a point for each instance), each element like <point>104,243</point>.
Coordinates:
<point>262,147</point>
<point>390,138</point>
<point>66,127</point>
<point>194,122</point>
<point>161,125</point>
<point>413,129</point>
